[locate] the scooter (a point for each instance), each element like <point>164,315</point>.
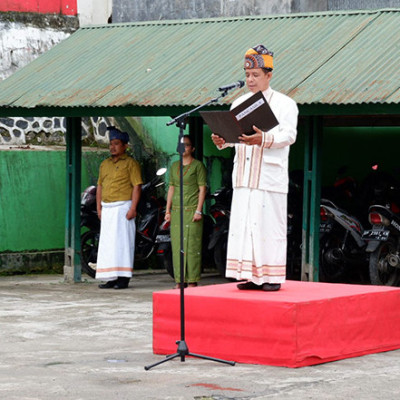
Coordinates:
<point>342,247</point>
<point>384,246</point>
<point>148,221</point>
<point>90,223</point>
<point>164,247</point>
<point>382,195</point>
<point>220,212</point>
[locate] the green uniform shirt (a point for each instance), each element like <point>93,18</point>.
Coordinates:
<point>194,175</point>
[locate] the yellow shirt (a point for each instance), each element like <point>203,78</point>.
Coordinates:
<point>117,179</point>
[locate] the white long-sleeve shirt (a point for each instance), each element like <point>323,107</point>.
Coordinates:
<point>265,166</point>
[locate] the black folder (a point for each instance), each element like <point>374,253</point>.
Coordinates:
<point>240,120</point>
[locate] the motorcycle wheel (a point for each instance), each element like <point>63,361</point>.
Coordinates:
<point>165,260</point>
<point>89,247</point>
<point>220,255</point>
<point>380,271</point>
<point>332,266</point>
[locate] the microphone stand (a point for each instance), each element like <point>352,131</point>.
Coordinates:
<point>183,349</point>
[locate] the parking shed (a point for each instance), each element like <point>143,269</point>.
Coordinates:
<point>340,67</point>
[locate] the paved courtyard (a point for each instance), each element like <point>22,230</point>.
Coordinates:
<point>74,341</point>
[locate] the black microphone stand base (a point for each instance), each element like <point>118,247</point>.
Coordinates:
<point>183,352</point>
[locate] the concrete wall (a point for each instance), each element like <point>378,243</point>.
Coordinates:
<point>66,7</point>
<point>32,212</point>
<point>362,4</point>
<point>22,40</point>
<point>141,10</point>
<point>94,12</point>
<point>146,10</point>
<point>33,199</point>
<point>90,12</point>
<point>32,205</point>
<point>33,177</point>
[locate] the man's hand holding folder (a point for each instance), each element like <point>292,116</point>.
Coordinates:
<point>254,139</point>
<point>243,124</point>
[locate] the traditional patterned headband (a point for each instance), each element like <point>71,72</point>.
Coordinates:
<point>115,133</point>
<point>258,57</point>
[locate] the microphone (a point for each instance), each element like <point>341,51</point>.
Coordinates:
<point>235,85</point>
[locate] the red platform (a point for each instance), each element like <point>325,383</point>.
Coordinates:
<point>302,324</point>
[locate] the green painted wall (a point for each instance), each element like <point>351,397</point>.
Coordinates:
<point>32,197</point>
<point>32,182</point>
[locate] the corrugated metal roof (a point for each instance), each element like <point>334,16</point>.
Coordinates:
<point>320,58</point>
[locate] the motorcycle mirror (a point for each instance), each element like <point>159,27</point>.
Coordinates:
<point>161,171</point>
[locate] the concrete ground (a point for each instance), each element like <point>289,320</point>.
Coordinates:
<point>61,341</point>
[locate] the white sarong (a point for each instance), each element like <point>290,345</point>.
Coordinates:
<point>257,236</point>
<point>117,242</point>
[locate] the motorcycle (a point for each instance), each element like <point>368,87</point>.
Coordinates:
<point>164,248</point>
<point>150,216</point>
<point>383,245</point>
<point>342,247</point>
<point>384,241</point>
<point>89,218</point>
<point>90,238</point>
<point>220,212</point>
<point>218,242</point>
<point>382,195</point>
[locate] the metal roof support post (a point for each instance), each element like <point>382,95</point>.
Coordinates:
<point>72,266</point>
<point>311,199</point>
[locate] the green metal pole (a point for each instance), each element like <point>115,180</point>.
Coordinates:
<point>305,264</point>
<point>315,197</point>
<point>72,267</point>
<point>312,199</point>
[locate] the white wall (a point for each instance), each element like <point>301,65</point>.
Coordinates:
<point>94,12</point>
<point>20,44</point>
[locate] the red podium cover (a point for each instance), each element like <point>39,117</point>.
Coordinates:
<point>302,324</point>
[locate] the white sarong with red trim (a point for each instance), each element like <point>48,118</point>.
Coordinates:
<point>257,236</point>
<point>117,242</point>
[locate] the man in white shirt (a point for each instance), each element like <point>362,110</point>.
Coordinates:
<point>257,231</point>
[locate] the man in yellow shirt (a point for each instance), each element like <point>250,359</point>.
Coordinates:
<point>118,193</point>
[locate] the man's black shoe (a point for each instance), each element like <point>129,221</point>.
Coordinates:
<point>108,285</point>
<point>249,286</point>
<point>120,286</point>
<point>271,287</point>
<point>121,283</point>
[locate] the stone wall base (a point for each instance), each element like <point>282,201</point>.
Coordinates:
<point>32,262</point>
